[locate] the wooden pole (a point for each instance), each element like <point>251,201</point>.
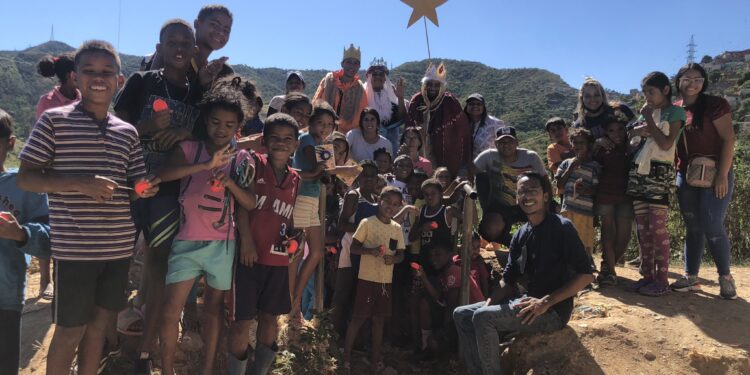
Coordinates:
<point>468,227</point>
<point>320,270</point>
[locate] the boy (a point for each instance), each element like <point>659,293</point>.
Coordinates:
<point>160,130</point>
<point>91,250</point>
<point>437,305</point>
<point>479,272</point>
<point>23,230</point>
<point>380,242</point>
<point>560,148</point>
<point>212,28</point>
<point>577,179</point>
<point>435,218</point>
<point>261,287</point>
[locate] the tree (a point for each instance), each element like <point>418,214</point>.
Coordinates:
<point>706,59</point>
<point>714,76</point>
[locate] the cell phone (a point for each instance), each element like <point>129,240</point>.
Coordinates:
<point>392,244</point>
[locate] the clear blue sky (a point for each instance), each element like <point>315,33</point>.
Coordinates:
<point>616,42</point>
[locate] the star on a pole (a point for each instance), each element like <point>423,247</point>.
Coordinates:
<point>423,8</point>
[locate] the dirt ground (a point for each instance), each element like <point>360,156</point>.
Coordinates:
<point>612,332</point>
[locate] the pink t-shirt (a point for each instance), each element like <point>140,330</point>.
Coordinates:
<point>202,208</point>
<point>424,165</point>
<point>53,99</point>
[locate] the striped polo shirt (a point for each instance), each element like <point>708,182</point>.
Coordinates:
<point>68,141</point>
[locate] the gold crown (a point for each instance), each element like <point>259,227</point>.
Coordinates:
<point>352,53</point>
<point>435,73</point>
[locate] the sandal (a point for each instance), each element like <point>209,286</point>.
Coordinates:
<point>48,293</point>
<point>130,321</point>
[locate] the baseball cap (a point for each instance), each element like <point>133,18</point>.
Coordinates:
<point>507,131</point>
<point>295,73</point>
<point>476,96</point>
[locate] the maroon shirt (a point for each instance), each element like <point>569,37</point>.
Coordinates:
<point>703,141</point>
<point>613,179</point>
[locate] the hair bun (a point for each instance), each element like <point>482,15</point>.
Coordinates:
<point>46,66</point>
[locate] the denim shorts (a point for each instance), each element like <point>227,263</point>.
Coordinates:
<point>191,259</point>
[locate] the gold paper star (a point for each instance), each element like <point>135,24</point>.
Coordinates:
<point>423,8</point>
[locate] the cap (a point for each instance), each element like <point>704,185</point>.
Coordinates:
<point>507,131</point>
<point>337,136</point>
<point>476,96</point>
<point>295,73</point>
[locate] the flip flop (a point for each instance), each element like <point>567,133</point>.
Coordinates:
<point>127,318</point>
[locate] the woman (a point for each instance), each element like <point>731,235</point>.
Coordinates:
<point>483,125</point>
<point>411,144</point>
<point>708,132</point>
<point>387,99</point>
<point>593,109</point>
<point>365,140</point>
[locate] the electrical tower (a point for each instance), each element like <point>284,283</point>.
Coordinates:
<point>691,50</point>
<point>52,33</point>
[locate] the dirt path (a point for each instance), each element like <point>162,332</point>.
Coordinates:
<point>612,332</point>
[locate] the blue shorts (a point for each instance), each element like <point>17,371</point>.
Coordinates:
<point>212,259</point>
<point>158,218</point>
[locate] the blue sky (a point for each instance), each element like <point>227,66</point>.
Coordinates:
<point>616,42</point>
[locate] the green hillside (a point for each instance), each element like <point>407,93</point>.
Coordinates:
<point>522,97</point>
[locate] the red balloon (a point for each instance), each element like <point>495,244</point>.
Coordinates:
<point>141,187</point>
<point>415,266</point>
<point>160,105</point>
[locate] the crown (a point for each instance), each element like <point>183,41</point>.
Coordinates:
<point>435,73</point>
<point>378,64</point>
<point>352,53</point>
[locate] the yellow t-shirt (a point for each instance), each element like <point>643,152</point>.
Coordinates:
<point>371,232</point>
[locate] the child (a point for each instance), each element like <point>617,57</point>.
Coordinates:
<point>23,230</point>
<point>160,131</point>
<point>577,179</point>
<point>411,144</point>
<point>213,177</point>
<point>306,215</point>
<point>612,205</point>
<point>66,93</point>
<point>380,242</point>
<point>384,160</point>
<point>436,307</point>
<point>91,251</point>
<point>261,277</point>
<point>359,203</point>
<point>560,148</point>
<point>297,105</point>
<point>347,169</point>
<point>479,272</point>
<point>62,95</point>
<point>444,176</point>
<point>434,223</point>
<point>651,178</point>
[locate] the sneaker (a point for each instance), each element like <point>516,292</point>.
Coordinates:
<point>655,289</point>
<point>686,283</point>
<point>727,288</point>
<point>636,286</point>
<point>606,279</point>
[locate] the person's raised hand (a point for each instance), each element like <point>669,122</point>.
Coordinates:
<point>211,71</point>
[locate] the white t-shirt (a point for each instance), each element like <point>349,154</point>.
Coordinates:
<point>360,150</point>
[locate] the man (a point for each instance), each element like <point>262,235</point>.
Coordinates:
<point>387,99</point>
<point>448,140</point>
<point>547,256</point>
<point>343,90</point>
<point>295,82</point>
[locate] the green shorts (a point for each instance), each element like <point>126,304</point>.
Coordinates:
<point>212,259</point>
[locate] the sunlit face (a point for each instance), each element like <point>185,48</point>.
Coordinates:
<point>350,66</point>
<point>558,133</point>
<point>507,146</point>
<point>280,142</point>
<point>377,78</point>
<point>691,83</point>
<point>616,132</point>
<point>340,150</point>
<point>322,125</point>
<point>655,97</point>
<point>444,177</point>
<point>432,88</point>
<point>592,98</point>
<point>580,147</point>
<point>177,47</point>
<point>475,108</point>
<point>412,139</point>
<point>301,113</point>
<point>530,195</point>
<point>97,77</point>
<point>369,124</point>
<point>213,31</point>
<point>389,204</point>
<point>402,168</point>
<point>221,126</point>
<point>383,160</point>
<point>6,145</point>
<point>368,179</point>
<point>294,84</point>
<point>432,196</point>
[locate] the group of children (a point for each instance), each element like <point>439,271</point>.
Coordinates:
<point>208,204</point>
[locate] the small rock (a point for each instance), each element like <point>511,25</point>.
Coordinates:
<point>649,356</point>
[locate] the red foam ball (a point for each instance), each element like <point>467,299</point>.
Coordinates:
<point>160,105</point>
<point>415,266</point>
<point>216,186</point>
<point>433,225</point>
<point>291,246</point>
<point>141,187</point>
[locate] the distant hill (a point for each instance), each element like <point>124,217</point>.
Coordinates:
<point>522,97</point>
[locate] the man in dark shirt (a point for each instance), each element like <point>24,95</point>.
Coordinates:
<point>548,259</point>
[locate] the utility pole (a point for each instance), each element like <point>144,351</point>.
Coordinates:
<point>691,50</point>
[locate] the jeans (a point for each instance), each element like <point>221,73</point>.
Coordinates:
<point>704,215</point>
<point>480,329</point>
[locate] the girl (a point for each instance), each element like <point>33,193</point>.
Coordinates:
<point>708,131</point>
<point>411,144</point>
<point>306,217</point>
<point>66,93</point>
<point>365,140</point>
<point>484,127</point>
<point>612,205</point>
<point>347,169</point>
<point>650,179</point>
<point>213,186</point>
<point>593,108</point>
<point>384,160</point>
